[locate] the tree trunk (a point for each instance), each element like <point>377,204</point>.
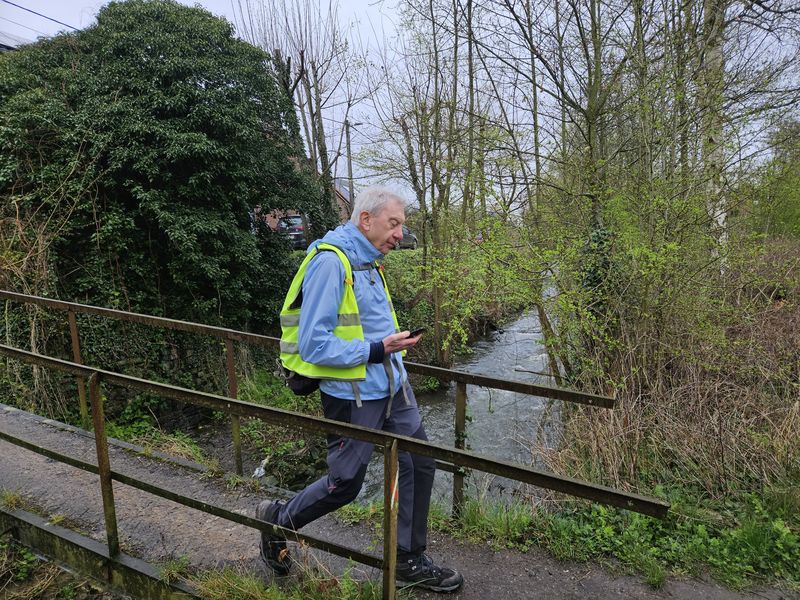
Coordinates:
<point>711,102</point>
<point>536,201</point>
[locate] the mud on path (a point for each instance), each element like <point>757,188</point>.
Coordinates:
<point>158,530</point>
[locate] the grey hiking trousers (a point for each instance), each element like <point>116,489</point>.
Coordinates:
<point>347,465</point>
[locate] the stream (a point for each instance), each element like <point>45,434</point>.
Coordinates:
<point>501,424</point>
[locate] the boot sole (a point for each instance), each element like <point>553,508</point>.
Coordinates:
<point>426,586</point>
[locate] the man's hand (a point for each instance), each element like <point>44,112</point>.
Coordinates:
<point>399,341</point>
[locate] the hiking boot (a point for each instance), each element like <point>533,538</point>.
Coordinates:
<point>420,572</point>
<point>273,546</point>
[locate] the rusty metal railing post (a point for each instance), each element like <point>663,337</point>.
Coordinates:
<point>104,465</point>
<point>391,495</point>
<point>76,356</point>
<point>461,439</point>
<point>233,390</point>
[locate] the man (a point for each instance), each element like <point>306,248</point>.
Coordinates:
<point>339,327</point>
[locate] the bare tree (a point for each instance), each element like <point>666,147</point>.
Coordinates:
<point>322,69</point>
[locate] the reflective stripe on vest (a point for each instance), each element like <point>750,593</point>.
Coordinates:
<point>344,320</point>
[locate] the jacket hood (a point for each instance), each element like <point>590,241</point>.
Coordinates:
<point>352,242</point>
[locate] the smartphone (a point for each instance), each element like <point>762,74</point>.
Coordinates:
<point>418,331</point>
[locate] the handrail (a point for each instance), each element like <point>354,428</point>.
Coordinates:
<point>265,340</point>
<point>390,443</point>
<point>217,511</point>
<point>122,315</point>
<point>463,458</point>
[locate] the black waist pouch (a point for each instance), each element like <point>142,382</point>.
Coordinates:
<point>299,384</point>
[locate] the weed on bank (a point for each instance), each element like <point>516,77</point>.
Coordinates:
<point>740,543</point>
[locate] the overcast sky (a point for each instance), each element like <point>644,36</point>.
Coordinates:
<point>374,19</point>
<point>17,21</point>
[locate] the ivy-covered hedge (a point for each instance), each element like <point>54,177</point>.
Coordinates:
<point>132,153</point>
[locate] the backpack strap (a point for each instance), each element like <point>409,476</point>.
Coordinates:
<point>348,274</point>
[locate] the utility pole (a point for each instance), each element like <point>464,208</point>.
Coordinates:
<point>349,162</point>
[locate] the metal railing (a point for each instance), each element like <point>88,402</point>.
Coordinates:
<point>391,444</point>
<point>229,336</point>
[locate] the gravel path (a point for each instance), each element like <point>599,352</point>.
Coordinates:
<point>157,530</point>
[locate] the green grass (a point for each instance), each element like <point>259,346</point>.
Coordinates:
<point>153,439</point>
<point>354,513</point>
<point>262,387</point>
<point>17,563</point>
<point>741,544</point>
<point>501,524</point>
<point>232,584</point>
<point>747,546</point>
<point>174,569</point>
<point>235,482</point>
<point>23,576</point>
<point>10,499</point>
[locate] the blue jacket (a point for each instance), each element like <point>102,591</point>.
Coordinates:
<point>323,287</point>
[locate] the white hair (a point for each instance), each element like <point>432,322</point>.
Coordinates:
<point>373,200</point>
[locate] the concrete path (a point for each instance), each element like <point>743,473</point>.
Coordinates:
<point>157,530</point>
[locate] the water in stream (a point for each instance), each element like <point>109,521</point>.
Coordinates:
<point>503,424</point>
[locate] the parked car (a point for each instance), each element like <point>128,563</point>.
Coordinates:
<point>292,228</point>
<point>409,239</point>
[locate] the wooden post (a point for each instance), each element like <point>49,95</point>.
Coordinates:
<point>460,442</point>
<point>233,389</point>
<point>76,357</point>
<point>391,495</point>
<point>104,465</point>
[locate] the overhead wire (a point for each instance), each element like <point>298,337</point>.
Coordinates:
<point>25,26</point>
<point>22,25</point>
<point>39,14</point>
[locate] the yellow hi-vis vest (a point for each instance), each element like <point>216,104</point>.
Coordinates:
<point>348,326</point>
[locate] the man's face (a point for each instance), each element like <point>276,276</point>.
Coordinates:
<point>384,229</point>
